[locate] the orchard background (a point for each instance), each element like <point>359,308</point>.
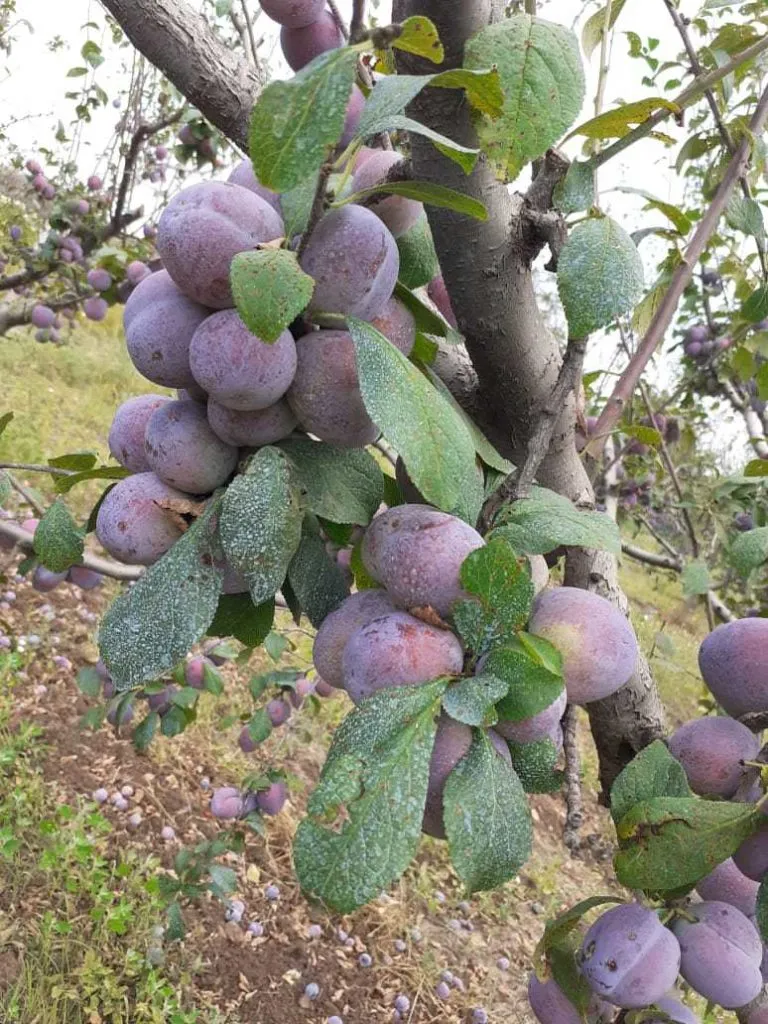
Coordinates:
<point>460,309</point>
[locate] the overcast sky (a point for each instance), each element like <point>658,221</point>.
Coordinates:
<point>33,83</point>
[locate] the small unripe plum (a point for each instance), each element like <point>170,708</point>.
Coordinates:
<point>744,522</point>
<point>245,741</point>
<point>194,672</point>
<point>710,749</point>
<point>48,191</point>
<point>126,435</point>
<point>416,552</point>
<point>244,176</point>
<point>85,579</point>
<point>352,117</point>
<point>294,13</point>
<point>278,712</point>
<point>325,393</point>
<point>727,884</point>
<point>167,833</point>
<point>136,271</point>
<point>161,152</point>
<point>149,231</point>
<point>100,795</point>
<point>183,450</point>
<point>44,581</point>
<point>628,957</point>
<point>302,689</point>
<point>42,316</point>
<point>95,308</point>
<point>721,953</point>
<point>15,232</point>
<point>130,523</point>
<point>271,801</point>
<point>733,664</point>
<point>323,689</point>
<point>187,135</point>
<point>203,228</point>
<point>397,650</point>
<point>698,334</point>
<point>397,212</point>
<point>238,369</point>
<point>94,183</point>
<point>452,742</point>
<point>272,893</point>
<point>751,858</point>
<point>99,279</point>
<point>251,428</point>
<point>34,167</point>
<point>550,1005</point>
<point>438,292</point>
<point>354,260</point>
<point>300,45</point>
<point>81,207</point>
<point>159,325</point>
<point>226,803</point>
<point>161,701</point>
<point>397,323</point>
<point>541,726</point>
<point>597,643</point>
<point>115,716</point>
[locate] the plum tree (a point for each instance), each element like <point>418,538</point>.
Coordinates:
<point>398,212</point>
<point>734,667</point>
<point>416,552</point>
<point>397,650</point>
<point>727,884</point>
<point>333,635</point>
<point>397,323</point>
<point>597,643</point>
<point>236,368</point>
<point>354,261</point>
<point>184,452</point>
<point>133,525</point>
<point>325,393</point>
<point>711,751</point>
<point>126,435</point>
<point>301,44</point>
<point>721,953</point>
<point>203,228</point>
<point>159,324</point>
<point>628,957</point>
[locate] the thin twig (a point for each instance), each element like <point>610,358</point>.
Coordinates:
<point>719,607</point>
<point>26,494</point>
<point>251,35</point>
<point>627,383</point>
<point>357,24</point>
<point>660,540</point>
<point>105,566</point>
<point>318,206</point>
<point>332,7</point>
<point>573,814</point>
<point>31,467</point>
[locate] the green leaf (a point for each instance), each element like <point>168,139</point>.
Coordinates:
<point>64,484</point>
<point>223,879</point>
<point>761,910</point>
<point>695,579</point>
<point>559,928</point>
<point>6,487</point>
<point>342,485</point>
<point>58,541</point>
<point>418,259</point>
<point>669,842</point>
<point>487,818</point>
<point>543,83</point>
<point>315,577</point>
<point>270,290</point>
<point>424,350</point>
<point>755,307</point>
<point>296,205</point>
<point>544,521</point>
<point>576,191</point>
<point>365,814</point>
<point>651,773</point>
<point>175,929</point>
<point>471,699</point>
<point>464,156</point>
<point>295,123</point>
<point>418,35</point>
<point>533,686</point>
<point>237,616</point>
<point>426,319</point>
<point>757,467</point>
<point>154,624</point>
<point>673,213</point>
<point>594,26</point>
<point>615,124</point>
<point>260,524</point>
<point>483,446</point>
<point>747,552</point>
<point>599,275</point>
<point>76,461</point>
<point>260,726</point>
<point>502,592</point>
<point>432,440</point>
<point>89,681</point>
<point>536,765</point>
<point>91,53</point>
<point>425,192</point>
<point>5,419</point>
<point>145,731</point>
<point>646,435</point>
<point>746,215</point>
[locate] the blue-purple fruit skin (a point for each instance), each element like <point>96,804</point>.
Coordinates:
<point>271,801</point>
<point>278,712</point>
<point>354,260</point>
<point>203,228</point>
<point>44,580</point>
<point>295,13</point>
<point>226,803</point>
<point>733,664</point>
<point>161,701</point>
<point>159,322</point>
<point>251,428</point>
<point>126,715</point>
<point>597,643</point>
<point>542,726</point>
<point>397,650</point>
<point>238,369</point>
<point>184,452</point>
<point>355,611</point>
<point>132,526</point>
<point>398,212</point>
<point>416,553</point>
<point>550,1005</point>
<point>710,749</point>
<point>675,1011</point>
<point>302,44</point>
<point>325,394</point>
<point>629,958</point>
<point>397,324</point>
<point>452,742</point>
<point>126,435</point>
<point>244,176</point>
<point>245,742</point>
<point>721,953</point>
<point>85,579</point>
<point>751,858</point>
<point>728,884</point>
<point>194,672</point>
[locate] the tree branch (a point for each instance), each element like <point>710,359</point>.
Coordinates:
<point>574,817</point>
<point>357,24</point>
<point>116,570</point>
<point>719,607</point>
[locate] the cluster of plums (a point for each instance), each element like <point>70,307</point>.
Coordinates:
<point>700,346</point>
<point>630,959</point>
